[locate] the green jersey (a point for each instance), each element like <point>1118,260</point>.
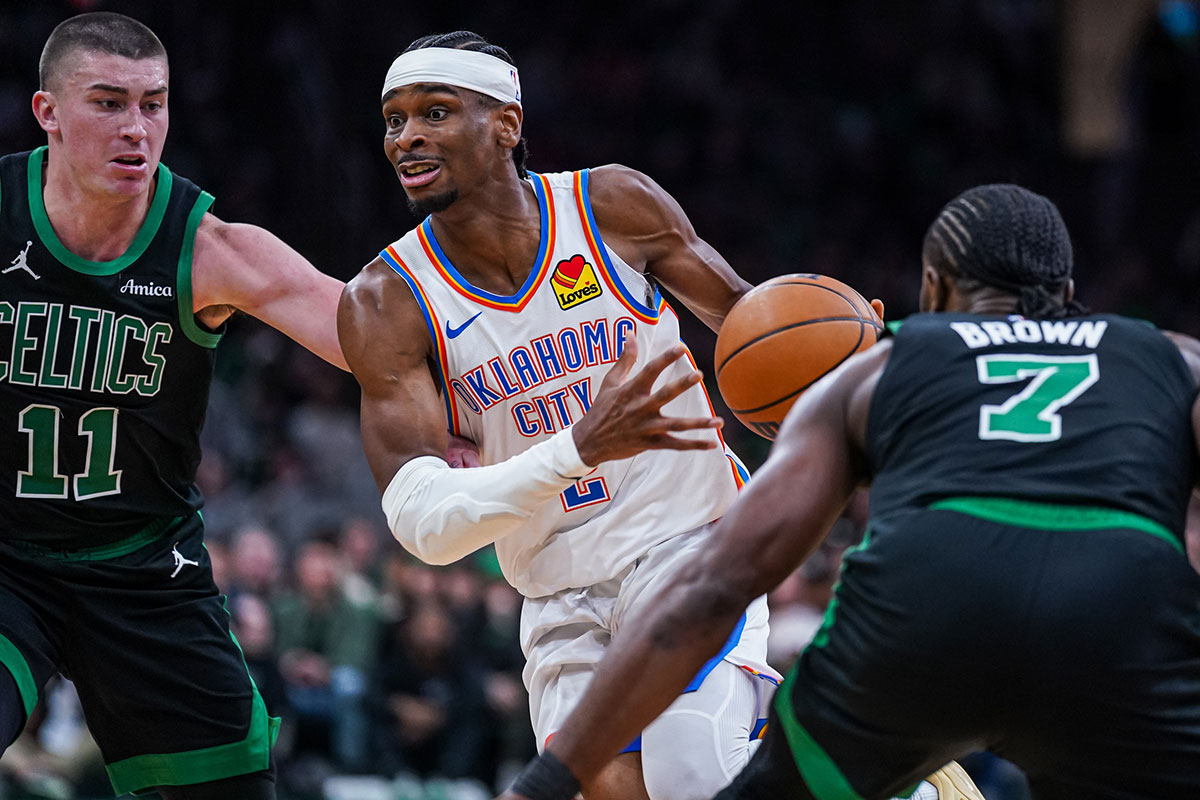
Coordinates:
<point>1092,410</point>
<point>104,371</point>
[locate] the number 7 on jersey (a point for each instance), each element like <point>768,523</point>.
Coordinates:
<point>1032,415</point>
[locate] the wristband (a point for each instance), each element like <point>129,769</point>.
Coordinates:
<point>546,778</point>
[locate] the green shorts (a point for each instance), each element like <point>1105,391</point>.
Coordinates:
<point>141,629</point>
<point>1073,652</point>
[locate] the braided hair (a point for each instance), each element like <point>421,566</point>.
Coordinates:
<point>1007,237</point>
<point>467,40</point>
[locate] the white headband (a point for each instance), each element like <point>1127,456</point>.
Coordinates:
<point>468,69</point>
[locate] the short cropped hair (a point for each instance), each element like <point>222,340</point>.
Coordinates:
<point>100,32</point>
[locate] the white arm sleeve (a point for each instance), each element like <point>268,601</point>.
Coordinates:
<point>441,514</point>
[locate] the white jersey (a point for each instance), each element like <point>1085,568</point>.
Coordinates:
<point>514,370</point>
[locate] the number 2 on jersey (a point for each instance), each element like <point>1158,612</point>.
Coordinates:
<point>43,480</point>
<point>587,492</point>
<point>1032,415</point>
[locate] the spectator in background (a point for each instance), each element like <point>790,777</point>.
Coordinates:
<point>323,431</point>
<point>406,582</point>
<point>430,700</point>
<point>227,502</point>
<point>292,502</point>
<point>218,554</point>
<point>326,643</point>
<point>255,631</point>
<point>358,546</point>
<point>255,562</point>
<point>55,756</point>
<point>498,644</point>
<point>460,587</point>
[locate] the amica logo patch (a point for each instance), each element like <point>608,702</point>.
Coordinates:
<point>150,289</point>
<point>574,282</point>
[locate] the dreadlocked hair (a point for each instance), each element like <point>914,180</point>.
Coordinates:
<point>1007,237</point>
<point>467,40</point>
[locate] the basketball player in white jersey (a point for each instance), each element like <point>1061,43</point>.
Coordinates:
<point>522,314</point>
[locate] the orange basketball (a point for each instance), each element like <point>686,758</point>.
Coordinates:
<point>781,337</point>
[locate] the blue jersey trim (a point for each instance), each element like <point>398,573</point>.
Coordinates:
<point>602,250</point>
<point>535,272</point>
<point>711,664</point>
<point>742,472</point>
<point>760,727</point>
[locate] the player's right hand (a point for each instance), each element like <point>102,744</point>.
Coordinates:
<point>626,416</point>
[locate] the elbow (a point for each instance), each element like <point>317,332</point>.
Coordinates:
<point>438,558</point>
<point>698,616</point>
<point>724,598</point>
<point>708,599</point>
<point>428,547</point>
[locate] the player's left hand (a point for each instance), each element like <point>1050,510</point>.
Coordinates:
<point>626,417</point>
<point>462,452</point>
<point>877,307</point>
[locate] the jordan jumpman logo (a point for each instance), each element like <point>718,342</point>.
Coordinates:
<point>19,263</point>
<point>180,560</point>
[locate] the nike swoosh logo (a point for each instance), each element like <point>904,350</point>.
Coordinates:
<point>454,332</point>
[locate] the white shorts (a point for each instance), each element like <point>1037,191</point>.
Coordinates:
<point>565,635</point>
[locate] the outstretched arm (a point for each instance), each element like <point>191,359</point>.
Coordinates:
<point>768,531</point>
<point>247,268</point>
<point>649,229</point>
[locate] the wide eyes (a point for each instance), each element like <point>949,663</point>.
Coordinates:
<point>434,114</point>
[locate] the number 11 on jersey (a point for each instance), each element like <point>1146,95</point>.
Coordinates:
<point>42,479</point>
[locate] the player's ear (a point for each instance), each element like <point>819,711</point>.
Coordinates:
<point>44,111</point>
<point>1069,291</point>
<point>934,290</point>
<point>509,132</point>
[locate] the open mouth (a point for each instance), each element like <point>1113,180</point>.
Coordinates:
<point>129,161</point>
<point>418,173</point>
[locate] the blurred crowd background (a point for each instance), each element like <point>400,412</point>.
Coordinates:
<point>803,137</point>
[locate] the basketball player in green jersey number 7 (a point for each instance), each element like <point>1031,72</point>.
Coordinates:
<point>1023,585</point>
<point>120,285</point>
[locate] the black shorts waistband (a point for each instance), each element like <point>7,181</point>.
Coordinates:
<point>121,547</point>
